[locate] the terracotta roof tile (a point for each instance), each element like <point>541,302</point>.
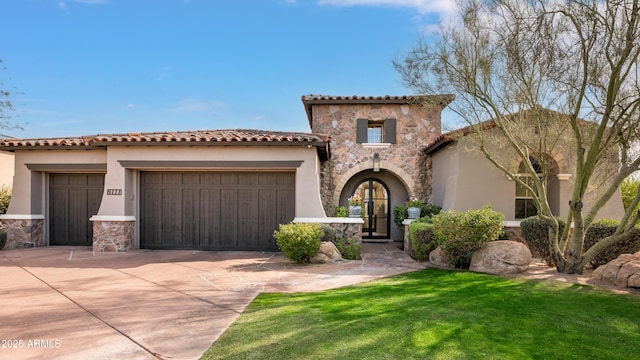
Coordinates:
<point>310,100</point>
<point>199,136</point>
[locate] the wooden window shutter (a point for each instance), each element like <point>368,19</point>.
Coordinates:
<point>361,134</point>
<point>390,131</point>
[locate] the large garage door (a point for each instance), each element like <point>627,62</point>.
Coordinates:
<point>73,199</point>
<point>214,210</point>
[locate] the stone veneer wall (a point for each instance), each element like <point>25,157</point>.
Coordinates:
<point>23,233</point>
<point>113,235</point>
<point>348,230</point>
<point>416,126</point>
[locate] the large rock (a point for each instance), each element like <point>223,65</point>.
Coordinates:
<point>501,257</point>
<point>440,258</point>
<point>623,272</point>
<point>328,253</point>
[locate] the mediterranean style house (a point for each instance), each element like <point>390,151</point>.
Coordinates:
<point>230,189</point>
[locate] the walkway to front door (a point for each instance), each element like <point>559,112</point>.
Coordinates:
<point>376,208</point>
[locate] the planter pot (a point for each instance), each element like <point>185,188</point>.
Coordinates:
<point>355,211</point>
<point>413,212</point>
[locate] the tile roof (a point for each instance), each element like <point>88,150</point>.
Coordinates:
<point>204,137</point>
<point>309,100</point>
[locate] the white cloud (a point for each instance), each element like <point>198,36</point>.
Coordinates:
<point>64,6</point>
<point>130,106</point>
<point>195,105</point>
<point>443,7</point>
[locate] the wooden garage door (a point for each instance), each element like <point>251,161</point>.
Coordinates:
<point>214,210</point>
<point>73,199</point>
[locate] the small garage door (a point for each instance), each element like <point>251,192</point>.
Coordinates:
<point>73,199</point>
<point>214,210</point>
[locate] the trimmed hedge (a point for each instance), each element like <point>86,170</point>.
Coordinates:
<point>601,229</point>
<point>422,239</point>
<point>299,242</point>
<point>461,234</point>
<point>535,232</point>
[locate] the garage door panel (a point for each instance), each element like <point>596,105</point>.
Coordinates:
<point>217,210</point>
<point>228,218</point>
<point>191,216</point>
<point>73,199</point>
<point>267,219</point>
<point>151,201</point>
<point>172,217</point>
<point>209,217</point>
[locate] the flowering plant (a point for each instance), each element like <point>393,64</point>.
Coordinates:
<point>355,200</point>
<point>414,202</point>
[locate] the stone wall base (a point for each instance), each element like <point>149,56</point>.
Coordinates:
<point>113,235</point>
<point>23,233</point>
<point>345,227</point>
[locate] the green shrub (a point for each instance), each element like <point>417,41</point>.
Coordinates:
<point>3,239</point>
<point>5,198</point>
<point>342,211</point>
<point>328,233</point>
<point>628,189</point>
<point>603,228</point>
<point>535,232</point>
<point>461,234</point>
<point>299,242</point>
<point>422,240</point>
<point>349,248</point>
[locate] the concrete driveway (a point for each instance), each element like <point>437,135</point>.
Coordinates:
<point>68,303</point>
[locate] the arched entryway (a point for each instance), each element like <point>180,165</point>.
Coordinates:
<point>377,208</point>
<point>387,191</point>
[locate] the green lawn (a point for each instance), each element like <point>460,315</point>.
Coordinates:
<point>438,314</point>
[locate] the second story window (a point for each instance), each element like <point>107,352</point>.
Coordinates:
<point>376,131</point>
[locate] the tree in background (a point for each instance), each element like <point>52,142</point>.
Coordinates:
<point>566,69</point>
<point>6,105</point>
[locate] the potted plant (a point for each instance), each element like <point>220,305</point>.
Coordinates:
<point>355,206</point>
<point>413,208</point>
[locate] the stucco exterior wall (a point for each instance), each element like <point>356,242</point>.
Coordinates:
<point>117,208</point>
<point>464,179</point>
<point>30,187</point>
<point>6,169</point>
<point>416,126</point>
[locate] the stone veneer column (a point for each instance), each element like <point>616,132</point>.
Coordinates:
<point>113,235</point>
<point>23,232</point>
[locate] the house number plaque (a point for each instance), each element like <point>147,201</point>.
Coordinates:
<point>114,191</point>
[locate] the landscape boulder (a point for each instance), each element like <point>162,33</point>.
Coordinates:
<point>501,257</point>
<point>328,253</point>
<point>623,272</point>
<point>440,258</point>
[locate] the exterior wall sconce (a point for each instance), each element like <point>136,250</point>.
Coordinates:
<point>376,162</point>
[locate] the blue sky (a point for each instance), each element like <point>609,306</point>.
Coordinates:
<point>84,67</point>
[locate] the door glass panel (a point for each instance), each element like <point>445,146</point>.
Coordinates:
<point>375,209</point>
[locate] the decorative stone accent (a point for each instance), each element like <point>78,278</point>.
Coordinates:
<point>501,257</point>
<point>23,233</point>
<point>345,227</point>
<point>348,230</point>
<point>408,249</point>
<point>113,235</point>
<point>328,253</point>
<point>440,258</point>
<point>623,272</point>
<point>416,126</point>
